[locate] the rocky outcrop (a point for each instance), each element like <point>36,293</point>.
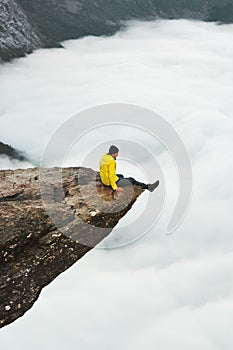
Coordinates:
<point>29,24</point>
<point>9,151</point>
<point>50,218</point>
<point>18,35</point>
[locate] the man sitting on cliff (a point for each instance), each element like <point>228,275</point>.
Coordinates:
<point>107,165</point>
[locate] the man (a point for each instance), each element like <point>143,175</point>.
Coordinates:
<point>107,165</point>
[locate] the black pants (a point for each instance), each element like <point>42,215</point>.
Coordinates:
<point>121,182</point>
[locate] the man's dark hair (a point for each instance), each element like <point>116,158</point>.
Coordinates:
<point>113,149</point>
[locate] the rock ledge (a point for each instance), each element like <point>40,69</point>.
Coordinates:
<point>34,248</point>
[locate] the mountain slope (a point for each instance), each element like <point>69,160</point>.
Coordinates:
<point>73,18</point>
<point>17,35</point>
<point>29,24</point>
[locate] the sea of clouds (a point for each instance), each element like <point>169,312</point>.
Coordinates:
<point>163,291</point>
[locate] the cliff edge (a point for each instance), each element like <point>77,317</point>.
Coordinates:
<point>49,220</point>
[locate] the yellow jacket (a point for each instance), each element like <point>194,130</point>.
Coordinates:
<point>107,165</point>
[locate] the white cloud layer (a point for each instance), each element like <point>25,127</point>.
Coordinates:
<point>163,292</point>
<point>8,163</point>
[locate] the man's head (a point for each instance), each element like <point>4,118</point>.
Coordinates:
<point>113,150</point>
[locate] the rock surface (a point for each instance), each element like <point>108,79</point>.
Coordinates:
<point>29,24</point>
<point>18,35</point>
<point>48,220</point>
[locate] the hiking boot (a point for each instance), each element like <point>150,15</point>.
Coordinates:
<point>153,186</point>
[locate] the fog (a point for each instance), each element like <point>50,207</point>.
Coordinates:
<point>162,291</point>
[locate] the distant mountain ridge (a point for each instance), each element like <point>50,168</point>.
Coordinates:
<point>29,24</point>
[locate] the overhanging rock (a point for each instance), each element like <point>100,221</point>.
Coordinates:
<point>49,220</point>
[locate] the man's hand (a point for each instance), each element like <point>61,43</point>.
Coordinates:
<point>119,189</point>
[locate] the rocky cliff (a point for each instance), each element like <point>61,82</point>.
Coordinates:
<point>48,220</point>
<point>29,24</point>
<point>18,35</point>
